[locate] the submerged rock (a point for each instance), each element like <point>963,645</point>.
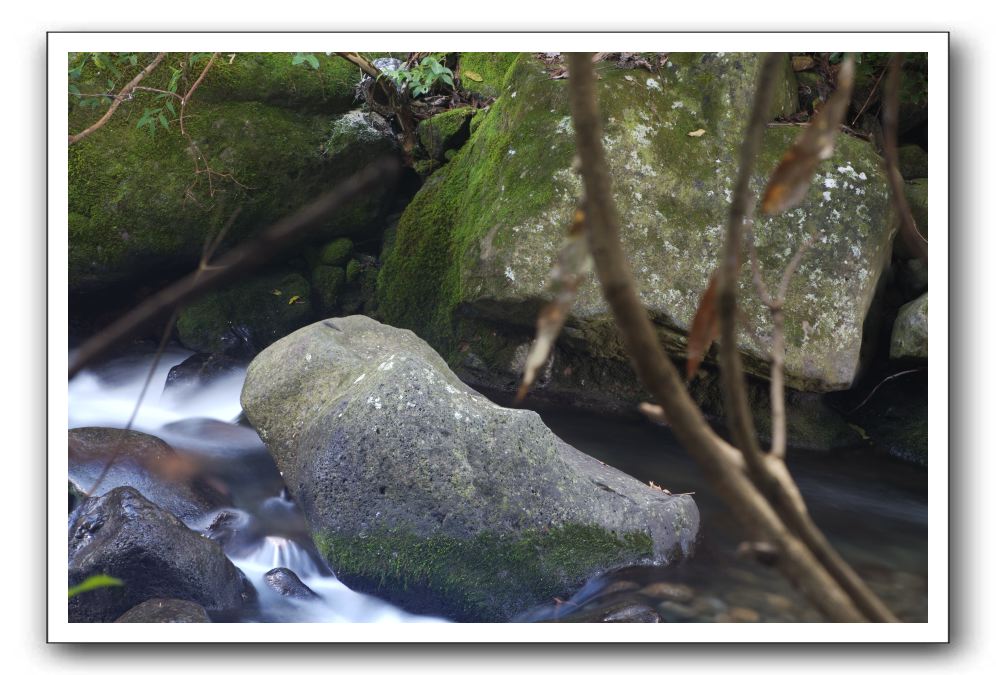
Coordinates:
<point>143,462</point>
<point>259,311</point>
<point>154,554</point>
<point>469,268</point>
<point>165,610</point>
<point>418,489</point>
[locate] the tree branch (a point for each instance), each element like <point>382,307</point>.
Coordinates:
<point>890,125</point>
<point>236,262</point>
<point>121,96</point>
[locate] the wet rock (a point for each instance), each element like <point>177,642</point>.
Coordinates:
<point>199,370</point>
<point>165,610</point>
<point>156,556</point>
<point>288,584</point>
<point>232,529</point>
<point>909,333</point>
<point>421,490</point>
<point>143,462</point>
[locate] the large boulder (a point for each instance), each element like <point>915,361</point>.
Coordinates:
<point>418,489</point>
<point>143,462</point>
<point>141,208</point>
<point>165,610</point>
<point>469,267</point>
<point>126,536</point>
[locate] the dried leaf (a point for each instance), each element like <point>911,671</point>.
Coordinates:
<point>790,180</point>
<point>705,327</point>
<point>654,413</point>
<point>471,75</point>
<point>277,291</point>
<point>294,299</point>
<point>696,133</point>
<point>800,63</point>
<point>573,263</point>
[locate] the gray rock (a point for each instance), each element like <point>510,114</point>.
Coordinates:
<point>143,462</point>
<point>470,266</point>
<point>288,584</point>
<point>418,489</point>
<point>156,556</point>
<point>909,333</point>
<point>165,610</point>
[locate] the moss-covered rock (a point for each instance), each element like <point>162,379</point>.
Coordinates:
<point>912,162</point>
<point>418,489</point>
<point>909,333</point>
<point>491,67</point>
<point>257,312</point>
<point>916,195</point>
<point>138,208</point>
<point>336,252</point>
<point>445,132</point>
<point>326,284</point>
<point>479,239</point>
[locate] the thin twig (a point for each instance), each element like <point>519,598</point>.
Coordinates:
<point>868,100</point>
<point>877,386</point>
<point>236,262</point>
<point>121,96</point>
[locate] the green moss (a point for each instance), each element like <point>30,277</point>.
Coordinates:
<point>493,67</point>
<point>445,132</point>
<point>353,269</point>
<point>270,77</point>
<point>327,284</point>
<point>336,252</point>
<point>486,578</point>
<point>916,195</point>
<point>268,307</point>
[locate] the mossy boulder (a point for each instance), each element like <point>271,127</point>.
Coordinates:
<point>138,207</point>
<point>476,245</point>
<point>916,195</point>
<point>336,252</point>
<point>246,316</point>
<point>444,132</point>
<point>912,162</point>
<point>909,333</point>
<point>418,489</point>
<point>327,283</point>
<point>490,67</point>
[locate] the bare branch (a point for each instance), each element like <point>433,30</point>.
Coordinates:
<point>731,369</point>
<point>121,96</point>
<point>236,262</point>
<point>890,125</point>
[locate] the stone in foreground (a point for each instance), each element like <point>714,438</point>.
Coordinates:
<point>420,490</point>
<point>165,610</point>
<point>126,536</point>
<point>909,333</point>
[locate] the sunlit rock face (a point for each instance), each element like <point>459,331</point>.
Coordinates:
<point>470,264</point>
<point>420,490</point>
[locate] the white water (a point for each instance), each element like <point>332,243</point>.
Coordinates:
<point>106,397</point>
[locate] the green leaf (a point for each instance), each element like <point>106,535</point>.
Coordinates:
<point>169,106</point>
<point>298,59</point>
<point>312,61</point>
<point>93,583</point>
<point>74,90</point>
<point>163,121</point>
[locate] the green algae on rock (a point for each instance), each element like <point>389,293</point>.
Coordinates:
<point>336,252</point>
<point>326,285</point>
<point>137,207</point>
<point>417,488</point>
<point>262,310</point>
<point>491,67</point>
<point>445,131</point>
<point>479,239</point>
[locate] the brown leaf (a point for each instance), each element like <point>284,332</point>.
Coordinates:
<point>790,180</point>
<point>705,327</point>
<point>471,75</point>
<point>572,265</point>
<point>802,63</point>
<point>696,133</point>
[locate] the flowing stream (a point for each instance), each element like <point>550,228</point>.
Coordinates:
<point>873,509</point>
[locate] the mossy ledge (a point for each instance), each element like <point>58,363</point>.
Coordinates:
<point>468,577</point>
